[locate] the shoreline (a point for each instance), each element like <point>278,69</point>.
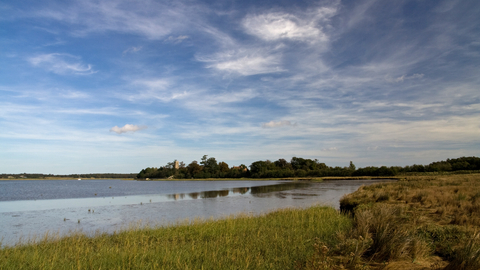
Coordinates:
<point>314,179</point>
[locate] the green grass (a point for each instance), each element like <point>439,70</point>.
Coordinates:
<point>285,239</point>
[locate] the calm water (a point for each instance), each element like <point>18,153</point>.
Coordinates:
<point>32,208</point>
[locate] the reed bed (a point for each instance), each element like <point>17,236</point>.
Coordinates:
<point>285,239</point>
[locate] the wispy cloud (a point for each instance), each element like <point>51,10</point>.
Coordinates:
<point>127,128</point>
<point>248,64</point>
<point>231,102</point>
<point>245,60</point>
<point>277,25</point>
<point>274,124</point>
<point>162,89</point>
<point>62,63</point>
<point>176,40</point>
<point>133,49</point>
<point>152,19</point>
<point>403,78</point>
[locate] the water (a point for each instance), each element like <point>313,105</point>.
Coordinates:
<point>32,208</point>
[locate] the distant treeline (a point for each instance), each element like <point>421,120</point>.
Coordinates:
<point>296,167</point>
<point>72,176</point>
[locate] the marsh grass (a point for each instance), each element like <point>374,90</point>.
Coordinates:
<point>418,217</point>
<point>468,256</point>
<point>285,239</point>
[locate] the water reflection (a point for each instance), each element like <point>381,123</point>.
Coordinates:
<point>255,191</point>
<point>261,190</point>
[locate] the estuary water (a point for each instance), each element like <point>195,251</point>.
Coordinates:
<point>30,209</point>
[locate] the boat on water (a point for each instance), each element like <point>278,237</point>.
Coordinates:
<point>79,179</point>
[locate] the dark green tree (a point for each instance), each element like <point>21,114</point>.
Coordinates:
<point>210,166</point>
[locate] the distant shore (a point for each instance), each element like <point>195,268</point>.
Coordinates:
<point>63,178</point>
<point>315,179</point>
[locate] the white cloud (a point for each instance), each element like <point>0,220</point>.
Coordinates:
<point>245,62</point>
<point>127,128</point>
<point>61,63</point>
<point>276,26</point>
<point>250,65</point>
<point>273,124</point>
<point>330,149</point>
<point>256,58</point>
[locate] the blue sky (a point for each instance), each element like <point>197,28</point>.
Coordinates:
<point>116,86</point>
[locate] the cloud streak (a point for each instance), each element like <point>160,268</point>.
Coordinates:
<point>127,128</point>
<point>274,124</point>
<point>62,63</point>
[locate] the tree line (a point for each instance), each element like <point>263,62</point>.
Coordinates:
<point>296,167</point>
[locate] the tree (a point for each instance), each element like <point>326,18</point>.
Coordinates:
<point>194,168</point>
<point>351,167</point>
<point>259,167</point>
<point>209,165</point>
<point>223,167</point>
<point>181,165</point>
<point>303,164</point>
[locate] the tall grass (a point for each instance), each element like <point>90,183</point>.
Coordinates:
<point>468,256</point>
<point>285,239</point>
<point>419,216</point>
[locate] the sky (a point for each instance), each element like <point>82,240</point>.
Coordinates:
<point>90,86</point>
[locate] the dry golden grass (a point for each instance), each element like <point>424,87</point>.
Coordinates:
<point>453,199</point>
<point>418,218</point>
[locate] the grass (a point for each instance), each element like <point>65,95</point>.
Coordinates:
<point>419,217</point>
<point>285,239</point>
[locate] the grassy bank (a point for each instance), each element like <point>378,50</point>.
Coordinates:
<point>431,218</point>
<point>285,239</point>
